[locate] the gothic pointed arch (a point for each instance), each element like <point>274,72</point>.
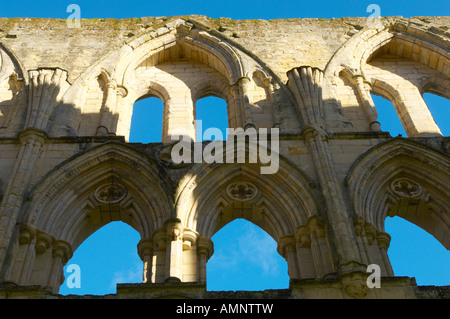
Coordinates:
<point>179,63</point>
<point>379,59</point>
<point>210,196</point>
<point>13,82</point>
<point>109,182</point>
<point>405,178</point>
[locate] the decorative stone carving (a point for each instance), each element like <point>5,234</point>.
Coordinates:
<point>354,284</point>
<point>405,187</point>
<point>26,235</point>
<point>242,191</point>
<point>110,194</point>
<point>43,242</point>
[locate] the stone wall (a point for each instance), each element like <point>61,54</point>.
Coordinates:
<point>67,169</point>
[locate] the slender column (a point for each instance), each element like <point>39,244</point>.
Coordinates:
<point>190,260</point>
<point>61,253</point>
<point>108,109</point>
<point>359,231</point>
<point>240,111</point>
<point>174,251</point>
<point>158,263</point>
<point>44,87</point>
<point>363,91</point>
<point>306,83</point>
<point>41,266</point>
<point>275,99</point>
<point>205,249</point>
<point>320,247</point>
<point>306,264</point>
<point>383,240</point>
<point>239,91</point>
<point>31,141</point>
<point>23,258</point>
<point>145,251</point>
<point>287,249</point>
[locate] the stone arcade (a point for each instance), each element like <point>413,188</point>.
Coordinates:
<point>67,169</point>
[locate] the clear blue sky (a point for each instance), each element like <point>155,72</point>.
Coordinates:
<point>109,255</point>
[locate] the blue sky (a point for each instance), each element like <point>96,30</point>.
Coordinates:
<point>236,9</point>
<point>109,255</point>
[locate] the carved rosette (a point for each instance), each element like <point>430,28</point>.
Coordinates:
<point>111,193</point>
<point>406,188</point>
<point>242,191</point>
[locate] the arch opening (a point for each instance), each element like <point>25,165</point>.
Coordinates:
<point>211,119</point>
<point>388,116</point>
<point>413,252</point>
<point>107,257</point>
<point>439,107</point>
<point>147,120</point>
<point>245,258</point>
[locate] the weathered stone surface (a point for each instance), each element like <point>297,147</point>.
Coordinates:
<point>67,169</point>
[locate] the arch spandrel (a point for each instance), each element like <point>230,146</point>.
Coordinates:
<point>112,180</point>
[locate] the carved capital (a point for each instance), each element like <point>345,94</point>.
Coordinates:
<point>159,239</point>
<point>32,134</point>
<point>63,250</point>
<point>189,239</point>
<point>359,223</point>
<point>205,246</point>
<point>174,230</point>
<point>383,240</point>
<point>302,236</point>
<point>286,244</point>
<point>316,226</point>
<point>26,235</point>
<point>145,248</point>
<point>43,242</point>
<point>371,233</point>
<point>45,85</point>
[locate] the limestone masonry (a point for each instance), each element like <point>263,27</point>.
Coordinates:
<point>67,169</point>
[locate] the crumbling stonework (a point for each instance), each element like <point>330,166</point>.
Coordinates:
<point>67,169</point>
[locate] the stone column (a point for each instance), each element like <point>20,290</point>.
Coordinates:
<point>306,83</point>
<point>41,266</point>
<point>287,249</point>
<point>23,259</point>
<point>205,249</point>
<point>159,256</point>
<point>174,251</point>
<point>61,253</point>
<point>239,90</point>
<point>44,87</point>
<point>111,121</point>
<point>108,110</point>
<point>31,141</point>
<point>364,89</point>
<point>383,240</point>
<point>145,251</point>
<point>306,264</point>
<point>190,260</point>
<point>320,247</point>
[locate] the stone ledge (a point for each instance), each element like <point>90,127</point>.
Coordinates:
<point>391,288</point>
